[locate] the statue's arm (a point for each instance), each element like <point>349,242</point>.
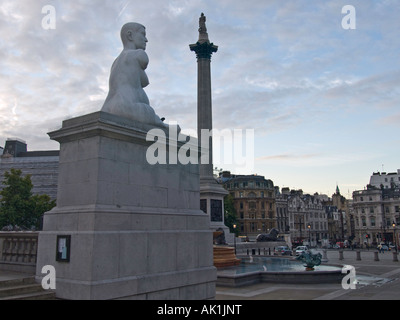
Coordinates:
<point>142,58</point>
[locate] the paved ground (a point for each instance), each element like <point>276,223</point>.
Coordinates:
<point>377,280</point>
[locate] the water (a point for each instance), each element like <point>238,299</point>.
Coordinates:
<point>254,264</point>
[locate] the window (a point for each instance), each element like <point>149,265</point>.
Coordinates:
<point>262,194</point>
<point>372,220</point>
<point>241,205</point>
<point>363,221</point>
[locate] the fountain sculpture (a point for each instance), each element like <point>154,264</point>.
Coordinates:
<point>311,260</point>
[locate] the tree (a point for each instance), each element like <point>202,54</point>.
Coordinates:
<point>18,206</point>
<point>230,214</point>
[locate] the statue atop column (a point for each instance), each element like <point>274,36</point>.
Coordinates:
<point>126,97</point>
<point>203,48</point>
<point>203,35</point>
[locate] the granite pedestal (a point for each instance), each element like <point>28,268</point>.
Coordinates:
<point>136,230</point>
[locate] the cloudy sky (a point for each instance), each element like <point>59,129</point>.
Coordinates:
<point>323,100</point>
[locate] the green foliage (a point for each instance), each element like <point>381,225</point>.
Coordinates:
<point>230,214</point>
<point>18,207</point>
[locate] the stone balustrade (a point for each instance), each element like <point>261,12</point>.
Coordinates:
<point>18,250</point>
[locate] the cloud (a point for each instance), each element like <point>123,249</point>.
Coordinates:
<point>393,119</point>
<point>284,68</point>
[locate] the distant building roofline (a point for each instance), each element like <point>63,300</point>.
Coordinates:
<point>16,139</point>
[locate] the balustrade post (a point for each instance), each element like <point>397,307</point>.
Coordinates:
<point>1,247</point>
<point>358,252</point>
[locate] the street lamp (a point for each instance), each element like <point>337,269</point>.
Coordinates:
<point>234,237</point>
<point>394,235</point>
<point>309,234</point>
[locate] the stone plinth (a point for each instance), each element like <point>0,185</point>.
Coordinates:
<point>224,256</point>
<point>136,229</point>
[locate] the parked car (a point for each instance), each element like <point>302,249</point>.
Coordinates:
<point>301,249</point>
<point>383,247</point>
<point>283,250</point>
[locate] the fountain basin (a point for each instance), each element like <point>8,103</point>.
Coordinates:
<point>276,270</point>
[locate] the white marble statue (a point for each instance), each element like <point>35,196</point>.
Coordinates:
<point>126,96</point>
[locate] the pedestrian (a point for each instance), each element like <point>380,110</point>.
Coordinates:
<point>380,248</point>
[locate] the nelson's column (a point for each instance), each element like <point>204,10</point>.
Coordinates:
<point>211,193</point>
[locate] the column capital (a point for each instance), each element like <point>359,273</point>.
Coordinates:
<point>203,50</point>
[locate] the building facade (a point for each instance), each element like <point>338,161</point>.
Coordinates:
<point>307,218</point>
<point>282,212</point>
<point>385,180</point>
<point>254,202</point>
<point>377,215</point>
<point>41,165</point>
<point>345,228</point>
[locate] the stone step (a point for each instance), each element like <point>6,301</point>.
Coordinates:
<point>24,288</point>
<point>17,281</point>
<point>21,289</point>
<point>43,295</point>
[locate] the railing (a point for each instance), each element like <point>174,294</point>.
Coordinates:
<point>18,249</point>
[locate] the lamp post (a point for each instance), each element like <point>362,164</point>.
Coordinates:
<point>234,237</point>
<point>394,235</point>
<point>309,234</point>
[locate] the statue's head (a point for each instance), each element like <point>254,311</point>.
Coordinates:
<point>274,231</point>
<point>133,35</point>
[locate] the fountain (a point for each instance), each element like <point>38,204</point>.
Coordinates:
<point>257,269</point>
